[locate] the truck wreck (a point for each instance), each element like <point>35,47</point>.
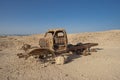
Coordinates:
<point>55,44</point>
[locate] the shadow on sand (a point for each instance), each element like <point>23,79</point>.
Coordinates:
<point>73,56</point>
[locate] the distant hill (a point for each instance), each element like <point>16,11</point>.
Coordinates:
<point>14,34</point>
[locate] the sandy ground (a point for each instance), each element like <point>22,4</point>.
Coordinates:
<point>101,65</point>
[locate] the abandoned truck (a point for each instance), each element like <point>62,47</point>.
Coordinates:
<point>55,43</point>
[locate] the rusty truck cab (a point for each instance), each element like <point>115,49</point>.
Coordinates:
<point>59,39</point>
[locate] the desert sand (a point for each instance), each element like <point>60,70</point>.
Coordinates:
<point>101,65</point>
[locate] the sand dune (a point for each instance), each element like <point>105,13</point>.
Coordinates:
<point>101,65</point>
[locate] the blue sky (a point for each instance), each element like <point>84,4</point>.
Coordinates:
<point>37,16</point>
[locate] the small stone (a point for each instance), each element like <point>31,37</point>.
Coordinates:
<point>66,75</point>
<point>0,68</point>
<point>60,60</point>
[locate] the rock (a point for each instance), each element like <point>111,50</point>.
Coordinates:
<point>60,60</point>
